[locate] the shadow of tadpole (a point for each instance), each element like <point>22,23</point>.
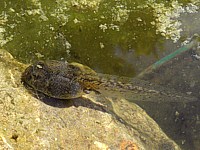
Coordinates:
<point>66,103</point>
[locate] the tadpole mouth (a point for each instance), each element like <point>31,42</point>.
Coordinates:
<point>26,75</point>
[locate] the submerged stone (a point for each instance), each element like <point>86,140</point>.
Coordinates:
<point>32,122</point>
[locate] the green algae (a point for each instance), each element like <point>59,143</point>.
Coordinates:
<point>93,32</point>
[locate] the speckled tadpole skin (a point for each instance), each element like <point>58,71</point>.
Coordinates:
<point>55,79</point>
<point>65,80</point>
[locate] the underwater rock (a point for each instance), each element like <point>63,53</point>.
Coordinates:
<point>30,121</point>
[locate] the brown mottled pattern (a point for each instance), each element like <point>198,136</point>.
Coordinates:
<point>65,80</point>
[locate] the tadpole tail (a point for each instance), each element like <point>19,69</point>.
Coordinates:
<point>134,89</point>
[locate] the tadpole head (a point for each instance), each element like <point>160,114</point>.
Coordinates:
<point>36,75</point>
<point>54,79</point>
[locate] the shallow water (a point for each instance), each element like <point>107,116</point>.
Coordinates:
<point>115,37</point>
<point>120,33</point>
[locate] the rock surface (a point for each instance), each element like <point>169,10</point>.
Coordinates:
<point>93,122</point>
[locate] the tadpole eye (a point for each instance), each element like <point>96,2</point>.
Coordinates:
<point>38,65</point>
<point>40,72</point>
